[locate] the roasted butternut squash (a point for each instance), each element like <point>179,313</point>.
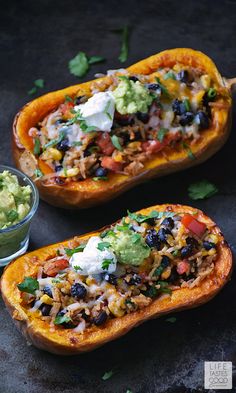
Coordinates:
<point>162,157</point>
<point>65,339</point>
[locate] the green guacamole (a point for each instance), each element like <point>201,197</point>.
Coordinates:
<point>131,97</point>
<point>14,200</point>
<point>129,247</point>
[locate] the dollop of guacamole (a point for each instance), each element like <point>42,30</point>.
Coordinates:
<point>14,200</point>
<point>129,247</point>
<point>131,97</point>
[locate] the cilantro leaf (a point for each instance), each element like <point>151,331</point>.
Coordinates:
<point>103,245</point>
<point>95,59</point>
<point>171,319</point>
<point>39,83</point>
<point>71,251</point>
<point>59,319</point>
<point>107,375</point>
<point>135,237</point>
<point>189,151</point>
<point>161,134</point>
<point>187,104</point>
<point>98,178</point>
<point>154,214</point>
<point>164,90</point>
<point>79,66</point>
<point>170,75</point>
<point>55,141</point>
<point>36,146</point>
<point>106,263</point>
<point>68,99</point>
<point>38,173</point>
<point>124,44</point>
<point>116,142</point>
<point>201,190</point>
<point>29,285</point>
<point>77,268</point>
<point>32,91</point>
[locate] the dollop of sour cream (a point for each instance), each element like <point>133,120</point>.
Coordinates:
<point>98,111</point>
<point>90,261</point>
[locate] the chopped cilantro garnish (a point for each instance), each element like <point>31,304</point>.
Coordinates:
<point>59,319</point>
<point>189,151</point>
<point>211,93</point>
<point>106,263</point>
<point>116,142</point>
<point>187,104</point>
<point>124,44</point>
<point>201,190</point>
<point>38,84</point>
<point>164,90</point>
<point>38,173</point>
<point>36,146</point>
<point>107,375</point>
<point>78,118</point>
<point>55,141</point>
<point>79,65</point>
<point>77,268</point>
<point>154,214</point>
<point>78,143</point>
<point>71,251</point>
<point>106,110</point>
<point>161,134</point>
<point>29,285</point>
<point>103,245</point>
<point>68,99</point>
<point>98,178</point>
<point>170,75</point>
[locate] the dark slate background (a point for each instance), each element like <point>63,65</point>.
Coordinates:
<point>37,40</point>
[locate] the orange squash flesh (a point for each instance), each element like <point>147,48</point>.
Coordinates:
<point>65,341</point>
<point>82,194</point>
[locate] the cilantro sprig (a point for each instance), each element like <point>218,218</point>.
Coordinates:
<point>71,251</point>
<point>201,190</point>
<point>161,134</point>
<point>59,319</point>
<point>116,142</point>
<point>38,84</point>
<point>124,51</point>
<point>80,64</point>
<point>106,263</point>
<point>154,214</point>
<point>28,285</point>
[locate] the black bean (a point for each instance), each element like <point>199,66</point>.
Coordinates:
<point>124,120</point>
<point>58,168</point>
<point>186,118</point>
<point>45,309</point>
<point>192,242</point>
<point>144,117</point>
<point>78,291</point>
<point>100,319</point>
<point>202,119</point>
<point>63,145</point>
<point>80,100</point>
<point>165,262</point>
<point>152,239</point>
<point>162,234</point>
<point>153,86</point>
<point>133,78</point>
<point>208,245</point>
<point>47,290</point>
<point>111,278</point>
<point>101,172</point>
<point>58,122</point>
<point>168,222</point>
<point>183,76</point>
<point>174,277</point>
<point>135,280</point>
<point>178,107</point>
<point>186,251</point>
<point>85,317</point>
<point>59,181</point>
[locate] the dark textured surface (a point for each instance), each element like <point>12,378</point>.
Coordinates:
<point>37,41</point>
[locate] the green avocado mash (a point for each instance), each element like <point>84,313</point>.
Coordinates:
<point>14,200</point>
<point>131,97</point>
<point>129,247</point>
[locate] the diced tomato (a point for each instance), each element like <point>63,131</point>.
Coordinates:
<point>67,106</point>
<point>109,163</point>
<point>51,268</point>
<point>183,267</point>
<point>105,143</point>
<point>152,146</point>
<point>193,225</point>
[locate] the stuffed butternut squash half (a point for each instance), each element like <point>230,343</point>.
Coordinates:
<point>72,297</point>
<point>86,144</point>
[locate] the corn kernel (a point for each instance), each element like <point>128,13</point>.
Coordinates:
<point>199,96</point>
<point>118,157</point>
<point>117,307</point>
<point>90,281</point>
<point>72,172</point>
<point>46,299</point>
<point>55,154</point>
<point>134,145</point>
<point>166,273</point>
<point>206,81</point>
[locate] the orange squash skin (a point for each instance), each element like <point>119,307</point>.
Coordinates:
<point>86,193</point>
<point>66,342</point>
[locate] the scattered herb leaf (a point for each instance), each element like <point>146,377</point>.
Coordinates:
<point>79,66</point>
<point>189,151</point>
<point>71,251</point>
<point>154,214</point>
<point>161,134</point>
<point>187,104</point>
<point>201,190</point>
<point>38,173</point>
<point>59,319</point>
<point>135,238</point>
<point>95,59</point>
<point>29,285</point>
<point>68,99</point>
<point>38,84</point>
<point>124,45</point>
<point>164,90</point>
<point>211,93</point>
<point>98,178</point>
<point>55,141</point>
<point>106,263</point>
<point>77,268</point>
<point>36,146</point>
<point>107,375</point>
<point>116,142</point>
<point>103,245</point>
<point>170,75</point>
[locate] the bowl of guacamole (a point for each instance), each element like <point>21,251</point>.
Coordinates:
<point>18,203</point>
